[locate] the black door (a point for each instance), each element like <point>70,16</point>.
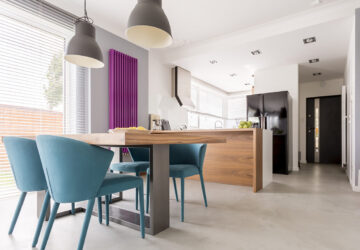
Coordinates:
<point>328,147</point>
<point>310,130</point>
<point>330,129</point>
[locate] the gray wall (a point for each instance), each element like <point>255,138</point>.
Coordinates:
<point>99,81</point>
<point>356,118</point>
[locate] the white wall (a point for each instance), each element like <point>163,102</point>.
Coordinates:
<point>313,89</point>
<point>160,100</point>
<point>349,80</point>
<point>284,78</point>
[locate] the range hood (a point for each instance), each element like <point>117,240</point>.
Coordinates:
<point>181,85</point>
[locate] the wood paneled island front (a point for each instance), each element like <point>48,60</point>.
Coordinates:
<point>239,161</point>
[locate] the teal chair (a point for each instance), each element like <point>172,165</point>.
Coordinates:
<point>29,176</point>
<point>140,163</point>
<point>76,171</point>
<point>185,160</point>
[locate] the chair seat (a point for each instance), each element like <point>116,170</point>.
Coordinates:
<point>183,170</point>
<point>130,167</point>
<point>114,183</point>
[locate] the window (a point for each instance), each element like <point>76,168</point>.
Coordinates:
<point>39,93</point>
<point>236,111</point>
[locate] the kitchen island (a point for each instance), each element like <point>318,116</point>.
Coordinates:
<point>245,159</point>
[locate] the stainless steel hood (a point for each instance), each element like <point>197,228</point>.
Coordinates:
<point>181,86</point>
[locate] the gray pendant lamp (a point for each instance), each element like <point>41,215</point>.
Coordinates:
<point>148,25</point>
<point>83,49</point>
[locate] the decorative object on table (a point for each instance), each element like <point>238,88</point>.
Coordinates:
<point>83,50</point>
<point>154,121</point>
<point>245,124</point>
<point>183,127</point>
<point>139,129</point>
<point>165,124</point>
<point>148,25</point>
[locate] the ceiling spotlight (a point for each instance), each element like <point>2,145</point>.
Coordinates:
<point>314,60</point>
<point>233,74</point>
<point>316,2</point>
<point>309,40</point>
<point>256,52</point>
<point>213,61</point>
<point>317,74</point>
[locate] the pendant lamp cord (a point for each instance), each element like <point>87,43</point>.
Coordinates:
<point>85,12</point>
<point>84,18</point>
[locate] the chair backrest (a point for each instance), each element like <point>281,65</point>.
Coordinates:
<point>74,170</point>
<point>25,164</point>
<point>139,154</point>
<point>188,154</point>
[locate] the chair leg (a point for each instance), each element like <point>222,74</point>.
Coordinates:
<point>17,212</point>
<point>137,195</point>
<point>99,209</point>
<point>49,226</point>
<point>175,189</point>
<point>203,188</point>
<point>147,192</point>
<point>182,199</point>
<point>85,227</point>
<point>111,171</point>
<point>107,198</point>
<point>73,208</point>
<point>141,196</point>
<point>41,218</point>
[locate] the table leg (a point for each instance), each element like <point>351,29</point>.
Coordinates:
<point>159,189</point>
<point>40,200</point>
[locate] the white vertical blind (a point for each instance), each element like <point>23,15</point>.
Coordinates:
<point>39,93</point>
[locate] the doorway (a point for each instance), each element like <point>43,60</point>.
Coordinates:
<point>323,129</point>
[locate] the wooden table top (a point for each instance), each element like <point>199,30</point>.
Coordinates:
<point>125,138</point>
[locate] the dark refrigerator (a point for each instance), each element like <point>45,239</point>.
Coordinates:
<point>270,111</point>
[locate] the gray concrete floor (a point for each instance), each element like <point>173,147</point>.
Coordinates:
<point>310,209</point>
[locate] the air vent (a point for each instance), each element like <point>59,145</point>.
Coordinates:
<point>233,75</point>
<point>247,84</point>
<point>213,61</point>
<point>309,40</point>
<point>314,60</point>
<point>256,52</point>
<point>317,74</point>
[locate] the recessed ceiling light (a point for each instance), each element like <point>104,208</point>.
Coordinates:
<point>309,40</point>
<point>213,61</point>
<point>317,74</point>
<point>256,52</point>
<point>316,2</point>
<point>315,60</point>
<point>233,74</point>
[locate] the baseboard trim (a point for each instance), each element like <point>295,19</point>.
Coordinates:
<point>356,188</point>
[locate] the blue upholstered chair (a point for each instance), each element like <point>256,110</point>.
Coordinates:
<point>185,160</point>
<point>140,163</point>
<point>76,171</point>
<point>29,176</point>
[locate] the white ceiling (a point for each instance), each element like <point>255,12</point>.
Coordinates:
<point>227,30</point>
<point>331,48</point>
<point>192,20</point>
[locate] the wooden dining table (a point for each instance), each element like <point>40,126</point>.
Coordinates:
<point>158,218</point>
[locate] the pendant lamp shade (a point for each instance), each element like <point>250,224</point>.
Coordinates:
<point>83,49</point>
<point>148,25</point>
